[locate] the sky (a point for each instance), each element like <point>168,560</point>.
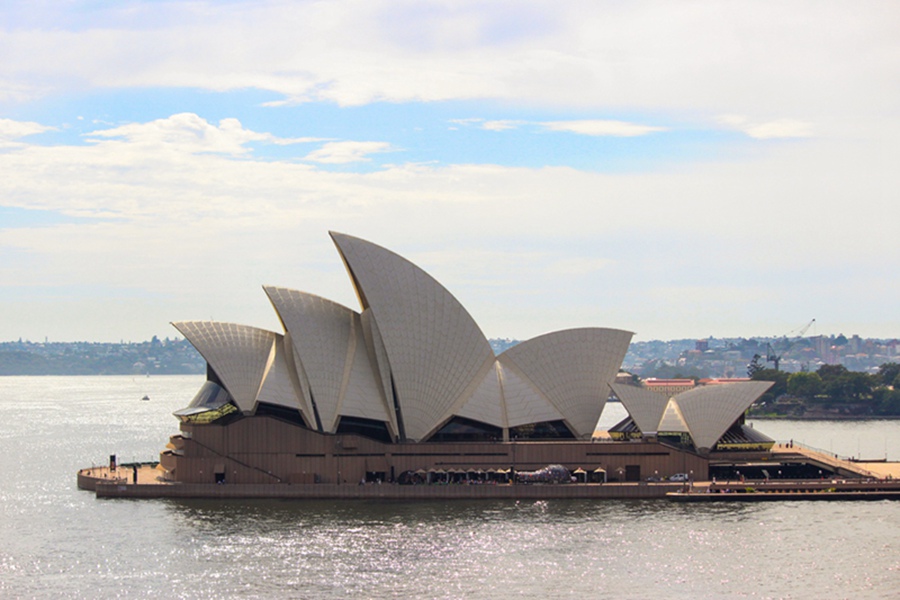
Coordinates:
<point>679,170</point>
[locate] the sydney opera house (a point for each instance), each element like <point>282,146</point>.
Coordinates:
<point>407,387</point>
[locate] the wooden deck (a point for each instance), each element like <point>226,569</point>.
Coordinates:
<point>853,477</point>
<point>842,466</point>
<point>784,490</point>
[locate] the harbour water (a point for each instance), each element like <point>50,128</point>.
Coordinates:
<point>58,541</point>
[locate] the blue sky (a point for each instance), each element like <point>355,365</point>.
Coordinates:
<point>439,132</point>
<point>679,171</point>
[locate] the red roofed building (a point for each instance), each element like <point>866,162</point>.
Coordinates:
<point>723,380</point>
<point>669,387</point>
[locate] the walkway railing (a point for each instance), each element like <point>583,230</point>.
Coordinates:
<point>824,456</point>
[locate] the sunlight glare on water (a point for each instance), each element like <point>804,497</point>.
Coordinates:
<point>61,542</point>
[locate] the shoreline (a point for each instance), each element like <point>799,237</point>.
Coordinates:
<point>749,491</point>
<point>823,418</point>
<point>142,481</point>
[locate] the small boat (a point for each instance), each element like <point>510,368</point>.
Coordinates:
<point>145,398</point>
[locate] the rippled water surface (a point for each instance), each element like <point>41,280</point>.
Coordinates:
<point>61,542</point>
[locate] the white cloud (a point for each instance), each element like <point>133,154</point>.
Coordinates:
<point>189,218</point>
<point>769,58</point>
<point>580,265</point>
<point>593,127</point>
<point>777,129</point>
<point>11,130</point>
<point>500,125</point>
<point>675,253</point>
<point>783,128</point>
<point>469,121</point>
<point>346,152</point>
<point>488,124</point>
<point>601,127</point>
<point>191,133</point>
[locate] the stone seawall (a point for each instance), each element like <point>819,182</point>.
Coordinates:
<point>323,491</point>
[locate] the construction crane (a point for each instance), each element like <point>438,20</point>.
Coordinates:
<point>773,357</point>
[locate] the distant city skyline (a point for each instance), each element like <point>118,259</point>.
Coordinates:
<point>708,357</point>
<point>677,171</point>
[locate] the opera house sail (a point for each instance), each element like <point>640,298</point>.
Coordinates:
<point>408,384</point>
<point>410,364</point>
<point>699,417</point>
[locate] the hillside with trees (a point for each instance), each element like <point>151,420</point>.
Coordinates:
<point>832,391</point>
<point>156,357</point>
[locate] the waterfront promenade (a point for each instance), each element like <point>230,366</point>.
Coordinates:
<point>119,483</point>
<point>831,461</point>
<point>857,478</point>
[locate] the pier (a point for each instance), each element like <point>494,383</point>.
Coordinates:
<point>812,490</point>
<point>842,466</point>
<point>846,480</point>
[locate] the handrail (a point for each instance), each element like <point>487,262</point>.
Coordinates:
<point>813,448</point>
<point>829,458</point>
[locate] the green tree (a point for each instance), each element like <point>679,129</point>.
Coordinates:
<point>850,386</point>
<point>755,365</point>
<point>830,372</point>
<point>635,379</point>
<point>779,377</point>
<point>886,401</point>
<point>804,385</point>
<point>888,373</point>
<point>859,385</point>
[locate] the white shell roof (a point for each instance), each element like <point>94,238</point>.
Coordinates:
<point>672,420</point>
<point>413,339</point>
<point>705,412</point>
<point>239,354</point>
<point>279,387</point>
<point>572,369</point>
<point>525,403</point>
<point>321,333</point>
<point>434,347</point>
<point>486,402</point>
<point>710,410</point>
<point>645,407</point>
<point>298,374</point>
<point>361,395</point>
<point>375,348</point>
